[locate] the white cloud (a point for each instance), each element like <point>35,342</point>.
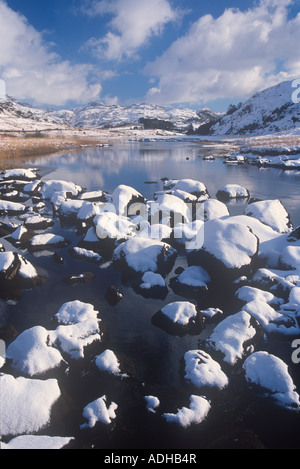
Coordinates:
<point>32,71</point>
<point>231,56</point>
<point>134,22</point>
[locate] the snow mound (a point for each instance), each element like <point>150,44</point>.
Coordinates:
<point>231,336</point>
<point>37,442</point>
<point>97,411</point>
<point>201,370</point>
<point>271,374</point>
<point>232,191</point>
<point>272,213</point>
<point>194,414</point>
<point>75,311</point>
<point>31,352</point>
<point>25,404</point>
<point>180,312</point>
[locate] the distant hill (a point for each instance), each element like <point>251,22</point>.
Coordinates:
<point>268,111</point>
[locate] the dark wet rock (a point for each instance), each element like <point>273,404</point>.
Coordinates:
<point>79,279</point>
<point>8,333</point>
<point>294,235</point>
<point>58,259</point>
<point>113,295</point>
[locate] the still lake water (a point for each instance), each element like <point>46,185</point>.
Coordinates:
<point>156,355</point>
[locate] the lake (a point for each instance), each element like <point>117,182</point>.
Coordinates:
<point>155,355</point>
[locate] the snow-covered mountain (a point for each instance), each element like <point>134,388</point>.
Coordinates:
<point>15,116</point>
<point>99,115</point>
<point>271,110</point>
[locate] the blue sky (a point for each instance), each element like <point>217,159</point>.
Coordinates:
<point>194,53</point>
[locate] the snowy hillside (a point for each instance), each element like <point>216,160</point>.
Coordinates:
<point>99,115</point>
<point>268,111</point>
<point>15,116</point>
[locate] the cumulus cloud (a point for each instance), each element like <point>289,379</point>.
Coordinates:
<point>33,71</point>
<point>233,55</point>
<point>133,23</point>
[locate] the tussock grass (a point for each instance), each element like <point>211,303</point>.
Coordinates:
<point>17,150</point>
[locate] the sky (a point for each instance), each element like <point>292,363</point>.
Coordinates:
<point>174,53</point>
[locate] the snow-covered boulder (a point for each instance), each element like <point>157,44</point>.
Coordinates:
<point>290,258</point>
<point>193,280</point>
<point>191,186</point>
<point>144,254</point>
<point>151,280</point>
<point>194,414</point>
<point>170,210</point>
<point>108,362</point>
<point>152,403</point>
<point>85,254</point>
<point>124,197</point>
<point>50,187</point>
<point>75,311</point>
<point>272,213</point>
<point>233,337</point>
<point>202,371</point>
<point>211,209</point>
<point>270,375</point>
<point>47,241</point>
<point>12,208</point>
<point>32,354</point>
<point>30,442</point>
<point>38,222</point>
<point>19,173</point>
<point>179,318</point>
<point>114,227</point>
<point>272,321</point>
<point>99,411</point>
<point>247,293</point>
<point>232,191</point>
<point>26,404</point>
<point>183,234</point>
<point>73,339</point>
<point>226,249</point>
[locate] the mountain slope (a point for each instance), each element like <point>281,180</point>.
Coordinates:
<point>15,116</point>
<point>98,115</point>
<point>268,111</point>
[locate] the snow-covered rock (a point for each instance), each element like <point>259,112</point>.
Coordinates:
<point>115,227</point>
<point>195,277</point>
<point>51,186</point>
<point>170,210</point>
<point>272,213</point>
<point>98,411</point>
<point>232,337</point>
<point>25,404</point>
<point>32,354</point>
<point>179,318</point>
<point>11,208</point>
<point>290,258</point>
<point>271,320</point>
<point>152,403</point>
<point>211,209</point>
<point>123,197</point>
<point>226,248</point>
<point>19,173</point>
<point>248,293</point>
<point>144,254</point>
<point>150,280</point>
<point>202,371</point>
<point>232,191</point>
<point>39,442</point>
<point>47,241</point>
<point>75,311</point>
<point>191,186</point>
<point>108,361</point>
<point>86,254</point>
<point>74,338</point>
<point>194,414</point>
<point>271,375</point>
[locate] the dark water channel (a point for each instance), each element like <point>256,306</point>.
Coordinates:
<point>237,417</point>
